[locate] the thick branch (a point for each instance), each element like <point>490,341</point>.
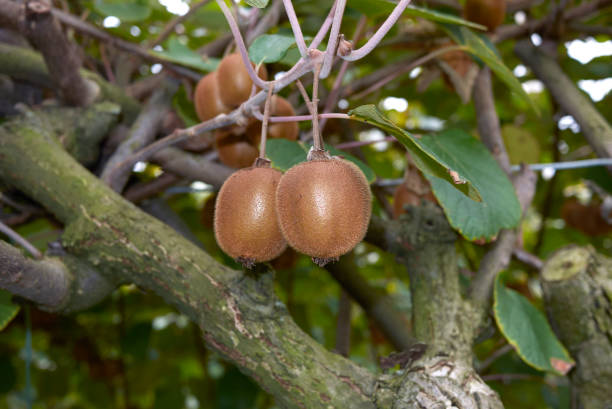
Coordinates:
<point>24,64</point>
<point>577,284</point>
<point>53,283</point>
<point>594,126</point>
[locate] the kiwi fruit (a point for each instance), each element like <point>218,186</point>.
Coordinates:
<point>207,99</point>
<point>489,13</point>
<point>235,148</point>
<point>235,81</point>
<point>246,226</point>
<point>324,207</point>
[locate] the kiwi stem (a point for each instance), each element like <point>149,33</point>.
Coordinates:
<point>295,26</point>
<point>264,124</point>
<point>316,135</point>
<point>304,95</point>
<point>380,34</point>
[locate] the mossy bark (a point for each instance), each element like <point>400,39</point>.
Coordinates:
<point>577,285</point>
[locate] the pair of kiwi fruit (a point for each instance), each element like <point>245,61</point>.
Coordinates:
<point>222,91</point>
<point>320,207</point>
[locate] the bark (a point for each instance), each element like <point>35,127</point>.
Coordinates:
<point>593,125</point>
<point>585,327</point>
<point>238,313</point>
<point>28,65</point>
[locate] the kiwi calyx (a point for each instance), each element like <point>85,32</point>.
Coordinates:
<point>246,262</point>
<point>318,154</point>
<point>321,262</point>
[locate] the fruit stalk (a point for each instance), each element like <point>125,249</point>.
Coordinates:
<point>264,125</point>
<point>316,135</point>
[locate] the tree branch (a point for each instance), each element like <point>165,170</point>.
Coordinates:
<point>376,303</point>
<point>52,283</point>
<point>24,64</point>
<point>577,284</point>
<point>143,132</point>
<point>593,125</point>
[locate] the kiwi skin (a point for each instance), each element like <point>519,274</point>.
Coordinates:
<point>236,150</point>
<point>246,226</point>
<point>324,207</point>
<point>489,13</point>
<point>235,81</point>
<point>207,98</point>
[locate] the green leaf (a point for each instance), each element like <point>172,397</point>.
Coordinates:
<point>177,52</point>
<point>526,328</point>
<point>465,154</point>
<point>439,17</point>
<point>130,11</point>
<point>372,8</point>
<point>269,48</point>
<point>260,4</point>
<point>424,160</point>
<point>8,310</point>
<point>481,47</point>
<point>285,154</point>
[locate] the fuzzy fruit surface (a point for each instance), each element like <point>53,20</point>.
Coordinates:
<point>207,98</point>
<point>234,80</point>
<point>324,207</point>
<point>489,13</point>
<point>246,226</point>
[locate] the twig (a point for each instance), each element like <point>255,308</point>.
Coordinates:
<point>17,238</point>
<point>514,30</point>
<point>343,325</point>
<point>305,96</point>
<point>330,51</point>
<point>487,120</point>
<point>380,33</point>
<point>332,98</point>
<point>60,55</point>
<point>191,166</point>
<point>295,26</point>
<point>105,37</point>
<point>494,356</point>
<point>594,126</point>
<point>299,118</point>
<point>176,21</point>
<point>142,133</point>
<point>400,69</point>
<point>530,259</point>
<point>141,191</point>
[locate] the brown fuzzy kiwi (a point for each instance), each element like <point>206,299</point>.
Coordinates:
<point>234,80</point>
<point>279,106</point>
<point>324,207</point>
<point>235,148</point>
<point>489,13</point>
<point>246,226</point>
<point>207,98</point>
